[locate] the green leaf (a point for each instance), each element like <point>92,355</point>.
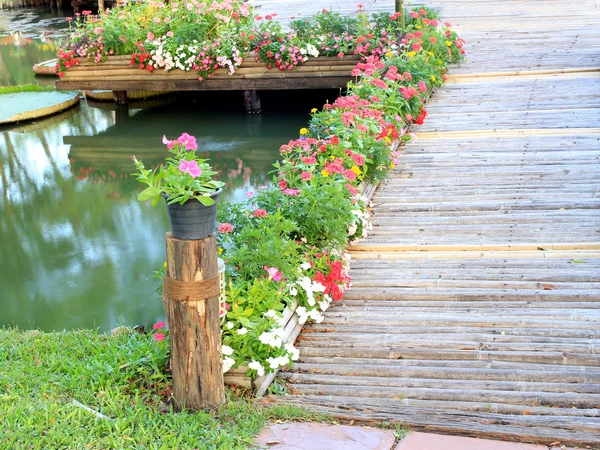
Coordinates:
<point>206,201</point>
<point>148,193</point>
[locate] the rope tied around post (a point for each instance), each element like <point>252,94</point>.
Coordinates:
<point>191,291</point>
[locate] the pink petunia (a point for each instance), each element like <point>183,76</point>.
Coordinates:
<point>169,33</point>
<point>190,167</point>
<point>159,337</point>
<point>422,86</point>
<point>159,325</point>
<point>188,140</point>
<point>225,228</point>
<point>274,273</point>
<point>150,36</point>
<point>305,176</point>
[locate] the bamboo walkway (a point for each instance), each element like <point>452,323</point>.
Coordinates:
<point>475,306</point>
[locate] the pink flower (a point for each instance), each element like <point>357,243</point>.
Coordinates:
<point>97,31</point>
<point>150,36</point>
<point>169,33</point>
<point>249,194</point>
<point>260,213</point>
<point>351,189</point>
<point>360,6</point>
<point>190,167</point>
<point>188,141</point>
<point>422,86</point>
<point>350,175</point>
<point>291,192</point>
<point>159,325</point>
<point>416,47</point>
<point>274,273</point>
<point>159,337</point>
<point>69,19</point>
<point>225,228</point>
<point>433,40</point>
<point>168,143</point>
<point>305,176</point>
<point>309,160</point>
<point>340,55</point>
<point>166,20</point>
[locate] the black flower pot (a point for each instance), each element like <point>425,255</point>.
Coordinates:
<point>193,220</point>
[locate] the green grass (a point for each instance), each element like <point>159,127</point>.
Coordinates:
<point>42,373</point>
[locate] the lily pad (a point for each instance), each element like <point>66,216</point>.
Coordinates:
<point>25,103</point>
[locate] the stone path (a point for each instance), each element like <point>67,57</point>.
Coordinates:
<point>315,436</point>
<point>475,306</point>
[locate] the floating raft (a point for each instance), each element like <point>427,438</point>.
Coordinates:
<point>117,74</point>
<point>40,103</point>
<point>46,68</point>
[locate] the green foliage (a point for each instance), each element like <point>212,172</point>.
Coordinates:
<point>265,241</point>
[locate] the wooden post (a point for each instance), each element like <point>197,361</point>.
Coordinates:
<point>252,102</point>
<point>100,6</point>
<point>120,97</point>
<point>191,299</point>
<point>400,9</point>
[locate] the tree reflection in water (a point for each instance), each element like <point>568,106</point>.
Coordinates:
<point>76,249</point>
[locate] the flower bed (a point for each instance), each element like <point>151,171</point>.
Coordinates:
<point>284,247</point>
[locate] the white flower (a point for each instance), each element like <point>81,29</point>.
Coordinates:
<point>293,291</point>
<point>292,351</point>
<point>228,363</point>
<point>324,305</point>
<point>273,363</point>
<point>305,266</point>
<point>270,313</point>
<point>255,365</point>
<point>229,325</point>
<point>226,350</point>
<point>242,331</point>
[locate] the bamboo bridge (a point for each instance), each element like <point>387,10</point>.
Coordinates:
<point>475,305</point>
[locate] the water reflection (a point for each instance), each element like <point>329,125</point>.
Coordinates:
<point>76,248</point>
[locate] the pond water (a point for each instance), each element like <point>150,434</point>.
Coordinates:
<point>76,249</point>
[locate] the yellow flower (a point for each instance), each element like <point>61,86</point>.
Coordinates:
<point>356,170</point>
<point>324,173</point>
<point>430,53</point>
<point>314,110</point>
<point>448,43</point>
<point>419,26</point>
<point>411,54</point>
<point>389,54</point>
<point>332,157</point>
<point>303,131</point>
<point>388,140</point>
<point>392,165</point>
<point>433,78</point>
<point>165,265</point>
<point>220,250</point>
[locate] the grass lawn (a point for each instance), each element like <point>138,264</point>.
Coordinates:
<point>41,374</point>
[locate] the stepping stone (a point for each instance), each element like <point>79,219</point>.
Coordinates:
<point>318,436</point>
<point>428,441</point>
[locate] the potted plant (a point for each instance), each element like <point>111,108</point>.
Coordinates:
<point>185,182</point>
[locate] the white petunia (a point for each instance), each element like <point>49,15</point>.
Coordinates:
<point>242,331</point>
<point>226,350</point>
<point>228,364</point>
<point>229,325</point>
<point>255,365</point>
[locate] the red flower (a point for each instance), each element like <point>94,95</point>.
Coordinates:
<point>159,325</point>
<point>159,337</point>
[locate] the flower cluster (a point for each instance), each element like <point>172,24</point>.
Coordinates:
<point>184,176</point>
<point>284,247</point>
<point>206,37</point>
